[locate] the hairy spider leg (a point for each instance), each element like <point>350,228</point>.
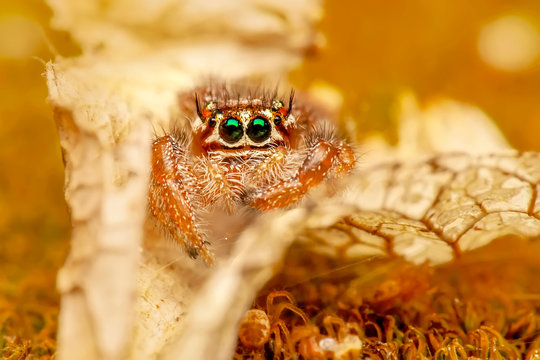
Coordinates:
<point>321,158</point>
<point>172,186</point>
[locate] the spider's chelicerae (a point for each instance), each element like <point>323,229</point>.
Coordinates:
<point>245,148</point>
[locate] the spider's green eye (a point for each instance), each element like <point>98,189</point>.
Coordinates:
<point>231,130</point>
<point>259,130</point>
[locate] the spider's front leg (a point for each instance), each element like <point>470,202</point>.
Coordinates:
<point>323,156</point>
<point>172,190</point>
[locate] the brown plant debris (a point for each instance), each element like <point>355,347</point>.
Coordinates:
<point>484,305</point>
<point>28,318</point>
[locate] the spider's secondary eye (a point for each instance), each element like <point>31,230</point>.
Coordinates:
<point>258,130</point>
<point>276,105</point>
<point>231,130</point>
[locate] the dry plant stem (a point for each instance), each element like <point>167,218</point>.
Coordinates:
<point>97,281</point>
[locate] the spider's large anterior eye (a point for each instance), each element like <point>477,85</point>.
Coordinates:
<point>231,130</point>
<point>259,130</point>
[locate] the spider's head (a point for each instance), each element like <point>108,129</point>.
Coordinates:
<point>243,124</point>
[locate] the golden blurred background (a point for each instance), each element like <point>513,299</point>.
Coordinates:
<point>486,55</point>
<point>34,223</point>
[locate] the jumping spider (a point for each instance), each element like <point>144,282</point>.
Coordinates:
<point>245,147</point>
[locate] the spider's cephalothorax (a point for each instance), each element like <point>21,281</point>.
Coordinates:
<point>245,147</point>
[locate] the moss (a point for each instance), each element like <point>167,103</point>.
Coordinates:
<point>484,305</point>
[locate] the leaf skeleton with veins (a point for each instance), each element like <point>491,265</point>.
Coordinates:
<point>246,148</point>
